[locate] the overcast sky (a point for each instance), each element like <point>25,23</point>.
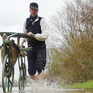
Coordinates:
<point>14,12</point>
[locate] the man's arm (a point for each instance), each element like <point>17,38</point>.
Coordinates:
<point>44,28</point>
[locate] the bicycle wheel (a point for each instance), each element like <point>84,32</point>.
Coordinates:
<point>7,75</point>
<point>22,75</point>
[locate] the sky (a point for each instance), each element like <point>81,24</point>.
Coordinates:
<point>13,14</point>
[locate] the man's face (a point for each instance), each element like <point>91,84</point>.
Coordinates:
<point>33,12</point>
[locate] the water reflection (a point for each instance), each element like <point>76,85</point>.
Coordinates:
<point>28,90</point>
<point>60,91</point>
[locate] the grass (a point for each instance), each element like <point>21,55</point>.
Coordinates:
<point>87,85</point>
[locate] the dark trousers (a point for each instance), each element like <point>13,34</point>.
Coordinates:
<point>36,59</point>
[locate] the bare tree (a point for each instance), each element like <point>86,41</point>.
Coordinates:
<point>75,25</point>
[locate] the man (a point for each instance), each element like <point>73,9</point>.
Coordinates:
<point>36,27</point>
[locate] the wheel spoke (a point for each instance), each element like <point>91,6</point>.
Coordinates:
<point>6,80</point>
<point>9,85</point>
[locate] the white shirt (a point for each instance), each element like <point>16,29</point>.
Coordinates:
<point>39,36</point>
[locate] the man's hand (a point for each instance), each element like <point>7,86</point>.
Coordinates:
<point>4,36</point>
<point>29,34</point>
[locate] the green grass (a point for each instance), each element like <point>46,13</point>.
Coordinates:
<point>87,85</point>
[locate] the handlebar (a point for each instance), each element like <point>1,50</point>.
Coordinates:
<point>18,35</point>
<point>14,34</point>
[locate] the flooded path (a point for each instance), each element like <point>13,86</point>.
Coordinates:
<point>28,90</point>
<point>33,87</point>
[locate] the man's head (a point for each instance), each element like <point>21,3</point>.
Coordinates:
<point>33,8</point>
